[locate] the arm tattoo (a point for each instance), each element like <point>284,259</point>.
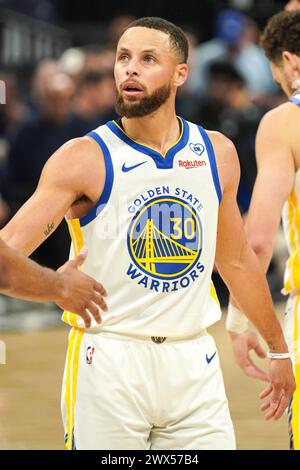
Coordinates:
<point>49,229</point>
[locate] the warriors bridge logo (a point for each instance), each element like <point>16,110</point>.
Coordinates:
<point>165,243</point>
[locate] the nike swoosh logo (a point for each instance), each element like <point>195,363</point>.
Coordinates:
<point>209,359</point>
<point>129,168</point>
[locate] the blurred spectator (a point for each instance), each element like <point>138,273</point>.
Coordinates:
<point>35,140</point>
<point>98,58</point>
<point>72,62</point>
<point>11,114</point>
<point>228,108</point>
<point>293,5</point>
<point>45,71</point>
<point>235,42</point>
<point>95,98</point>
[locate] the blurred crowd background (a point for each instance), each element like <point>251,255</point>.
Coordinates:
<point>57,58</point>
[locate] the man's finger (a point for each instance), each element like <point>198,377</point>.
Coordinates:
<point>86,318</point>
<point>266,392</point>
<point>251,370</point>
<point>99,288</point>
<point>281,408</point>
<point>100,302</point>
<point>260,351</point>
<point>81,257</point>
<point>276,396</point>
<point>265,406</point>
<point>93,309</point>
<point>270,414</point>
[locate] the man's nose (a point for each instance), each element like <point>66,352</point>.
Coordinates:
<point>132,68</point>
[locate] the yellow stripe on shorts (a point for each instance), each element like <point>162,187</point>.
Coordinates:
<point>75,340</point>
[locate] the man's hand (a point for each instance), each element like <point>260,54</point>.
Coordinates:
<point>280,390</point>
<point>80,293</point>
<point>242,344</point>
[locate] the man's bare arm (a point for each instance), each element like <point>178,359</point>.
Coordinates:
<point>274,182</point>
<point>69,288</point>
<point>76,170</point>
<point>244,277</point>
<point>236,261</point>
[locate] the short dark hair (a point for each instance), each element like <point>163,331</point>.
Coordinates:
<point>282,33</point>
<point>178,40</point>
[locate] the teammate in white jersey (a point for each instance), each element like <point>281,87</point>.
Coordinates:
<point>154,199</point>
<point>276,192</point>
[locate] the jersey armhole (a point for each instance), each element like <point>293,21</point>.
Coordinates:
<point>212,161</point>
<point>109,178</point>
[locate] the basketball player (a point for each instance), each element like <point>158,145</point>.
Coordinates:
<point>293,5</point>
<point>69,288</point>
<point>154,199</point>
<point>276,192</point>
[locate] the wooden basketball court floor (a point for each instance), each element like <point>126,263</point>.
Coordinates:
<point>30,393</point>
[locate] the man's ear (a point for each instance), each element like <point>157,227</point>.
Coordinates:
<point>290,59</point>
<point>181,74</point>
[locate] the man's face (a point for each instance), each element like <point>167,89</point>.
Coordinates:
<point>146,71</point>
<point>292,5</point>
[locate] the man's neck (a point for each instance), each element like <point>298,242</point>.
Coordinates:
<point>160,130</point>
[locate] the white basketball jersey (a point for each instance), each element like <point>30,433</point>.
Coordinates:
<point>152,235</point>
<point>291,225</point>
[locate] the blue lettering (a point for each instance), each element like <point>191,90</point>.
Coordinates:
<point>131,209</point>
<point>175,288</point>
<point>137,202</point>
<point>154,285</point>
<point>184,282</point>
<point>194,275</point>
<point>190,198</point>
<point>177,191</point>
<point>166,190</point>
<point>200,267</point>
<point>132,272</point>
<point>144,281</point>
<point>144,198</point>
<point>150,193</point>
<point>166,286</point>
<point>158,191</point>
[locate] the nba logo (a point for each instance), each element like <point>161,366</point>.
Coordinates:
<point>89,355</point>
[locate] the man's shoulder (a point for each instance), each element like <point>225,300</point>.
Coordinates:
<point>280,121</point>
<point>220,141</point>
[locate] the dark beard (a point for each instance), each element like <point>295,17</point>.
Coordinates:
<point>145,106</point>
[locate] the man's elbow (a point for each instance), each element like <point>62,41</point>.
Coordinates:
<point>261,245</point>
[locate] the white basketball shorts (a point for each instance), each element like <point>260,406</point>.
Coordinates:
<point>128,393</point>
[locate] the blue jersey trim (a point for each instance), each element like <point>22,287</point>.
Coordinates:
<point>161,162</point>
<point>295,100</point>
<point>212,160</point>
<point>109,179</point>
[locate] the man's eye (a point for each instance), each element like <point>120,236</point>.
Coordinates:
<point>149,58</point>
